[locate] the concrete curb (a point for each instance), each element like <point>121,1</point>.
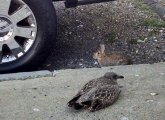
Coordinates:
<point>25,75</point>
<point>46,73</point>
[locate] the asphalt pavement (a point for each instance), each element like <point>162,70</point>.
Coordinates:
<point>116,24</point>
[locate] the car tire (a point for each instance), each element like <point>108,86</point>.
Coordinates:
<point>45,17</point>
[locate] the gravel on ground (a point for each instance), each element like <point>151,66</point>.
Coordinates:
<point>126,26</point>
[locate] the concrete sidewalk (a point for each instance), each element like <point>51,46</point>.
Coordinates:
<point>46,98</point>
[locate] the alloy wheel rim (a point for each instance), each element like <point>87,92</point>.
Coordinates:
<point>18,29</point>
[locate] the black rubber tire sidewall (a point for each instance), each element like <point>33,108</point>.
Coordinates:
<point>45,15</point>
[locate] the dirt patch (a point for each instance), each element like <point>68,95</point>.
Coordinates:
<point>126,26</point>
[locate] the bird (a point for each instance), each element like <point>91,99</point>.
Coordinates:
<point>97,93</point>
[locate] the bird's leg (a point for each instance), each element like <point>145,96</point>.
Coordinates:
<point>96,105</point>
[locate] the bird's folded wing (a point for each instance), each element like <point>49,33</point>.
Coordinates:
<point>106,93</point>
<point>86,88</point>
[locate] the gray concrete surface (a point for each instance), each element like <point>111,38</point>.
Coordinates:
<point>46,98</point>
<point>25,75</point>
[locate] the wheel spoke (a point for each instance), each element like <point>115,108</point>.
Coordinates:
<point>26,32</point>
<point>21,14</point>
<point>4,6</point>
<point>8,58</point>
<point>13,45</point>
<point>1,47</point>
<point>1,57</point>
<point>15,55</point>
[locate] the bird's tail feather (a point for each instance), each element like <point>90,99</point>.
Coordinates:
<point>88,103</point>
<point>77,106</point>
<point>73,101</point>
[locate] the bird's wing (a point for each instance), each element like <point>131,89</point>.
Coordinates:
<point>106,94</point>
<point>84,90</point>
<point>87,87</point>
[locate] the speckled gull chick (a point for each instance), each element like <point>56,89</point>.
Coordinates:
<point>97,93</point>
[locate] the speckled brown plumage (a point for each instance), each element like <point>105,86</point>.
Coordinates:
<point>97,93</point>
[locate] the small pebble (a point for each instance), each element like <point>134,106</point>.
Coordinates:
<point>153,94</point>
<point>95,62</point>
<point>124,118</point>
<point>34,88</point>
<point>149,100</point>
<point>161,31</point>
<point>161,73</point>
<point>156,40</point>
<point>140,41</point>
<point>36,110</point>
<point>80,26</point>
<point>137,75</point>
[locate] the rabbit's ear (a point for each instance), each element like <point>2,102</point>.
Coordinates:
<point>102,48</point>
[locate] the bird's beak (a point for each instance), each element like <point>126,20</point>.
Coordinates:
<point>120,77</point>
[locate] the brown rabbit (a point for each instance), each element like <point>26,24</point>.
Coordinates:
<point>111,59</point>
